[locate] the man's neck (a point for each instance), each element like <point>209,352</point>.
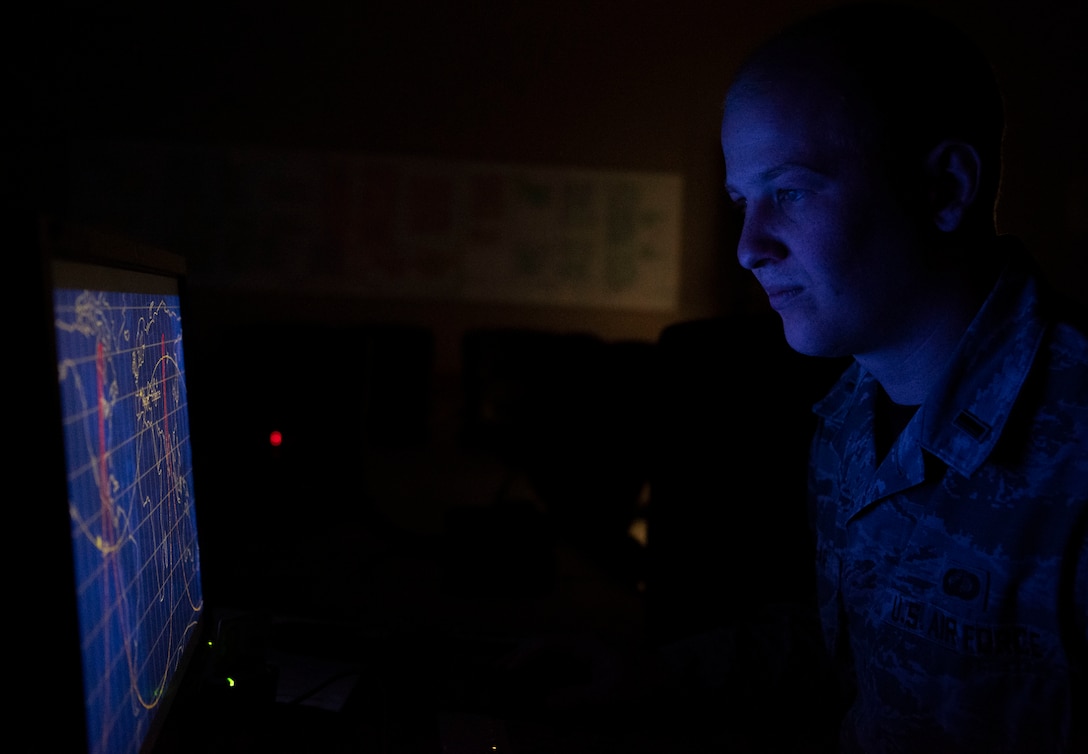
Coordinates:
<point>909,369</point>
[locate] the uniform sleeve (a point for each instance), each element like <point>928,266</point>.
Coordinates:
<point>1080,592</point>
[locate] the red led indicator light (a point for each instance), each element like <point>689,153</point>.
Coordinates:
<point>276,438</point>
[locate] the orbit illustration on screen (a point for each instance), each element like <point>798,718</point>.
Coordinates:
<point>133,521</point>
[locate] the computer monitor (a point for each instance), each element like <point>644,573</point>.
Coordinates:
<point>120,405</point>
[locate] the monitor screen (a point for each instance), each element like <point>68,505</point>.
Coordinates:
<point>120,366</point>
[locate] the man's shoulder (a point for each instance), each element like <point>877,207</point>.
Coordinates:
<point>1043,330</point>
<point>1069,332</point>
<point>1060,382</point>
<point>1065,345</point>
<point>1049,418</point>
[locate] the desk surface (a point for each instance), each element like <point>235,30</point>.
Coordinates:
<point>406,666</point>
<point>394,695</point>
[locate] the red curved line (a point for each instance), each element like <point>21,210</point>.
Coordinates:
<point>103,465</point>
<point>165,414</point>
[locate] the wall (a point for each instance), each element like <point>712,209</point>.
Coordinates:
<point>567,84</point>
<point>123,116</point>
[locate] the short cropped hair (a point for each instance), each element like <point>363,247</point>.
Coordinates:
<point>920,80</point>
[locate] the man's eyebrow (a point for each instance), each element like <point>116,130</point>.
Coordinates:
<point>785,167</point>
<point>771,173</point>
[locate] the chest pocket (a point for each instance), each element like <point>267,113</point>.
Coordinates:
<point>980,609</point>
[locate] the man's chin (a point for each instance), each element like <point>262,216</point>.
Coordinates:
<point>808,341</point>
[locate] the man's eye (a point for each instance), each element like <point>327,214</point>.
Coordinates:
<point>790,195</point>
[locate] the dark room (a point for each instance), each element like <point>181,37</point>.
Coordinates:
<point>536,395</point>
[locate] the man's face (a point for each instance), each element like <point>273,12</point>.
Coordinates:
<point>823,232</point>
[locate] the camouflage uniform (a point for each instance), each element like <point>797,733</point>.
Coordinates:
<point>953,576</point>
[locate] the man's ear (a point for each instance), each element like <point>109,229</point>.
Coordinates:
<point>954,170</point>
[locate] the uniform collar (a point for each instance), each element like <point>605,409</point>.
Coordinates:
<point>966,413</point>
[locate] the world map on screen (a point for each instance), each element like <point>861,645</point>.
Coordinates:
<point>133,522</point>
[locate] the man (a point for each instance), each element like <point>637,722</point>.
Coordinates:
<point>949,469</point>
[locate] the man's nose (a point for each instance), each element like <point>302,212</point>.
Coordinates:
<point>758,244</point>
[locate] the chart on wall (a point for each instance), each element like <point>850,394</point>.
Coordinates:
<point>414,228</point>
